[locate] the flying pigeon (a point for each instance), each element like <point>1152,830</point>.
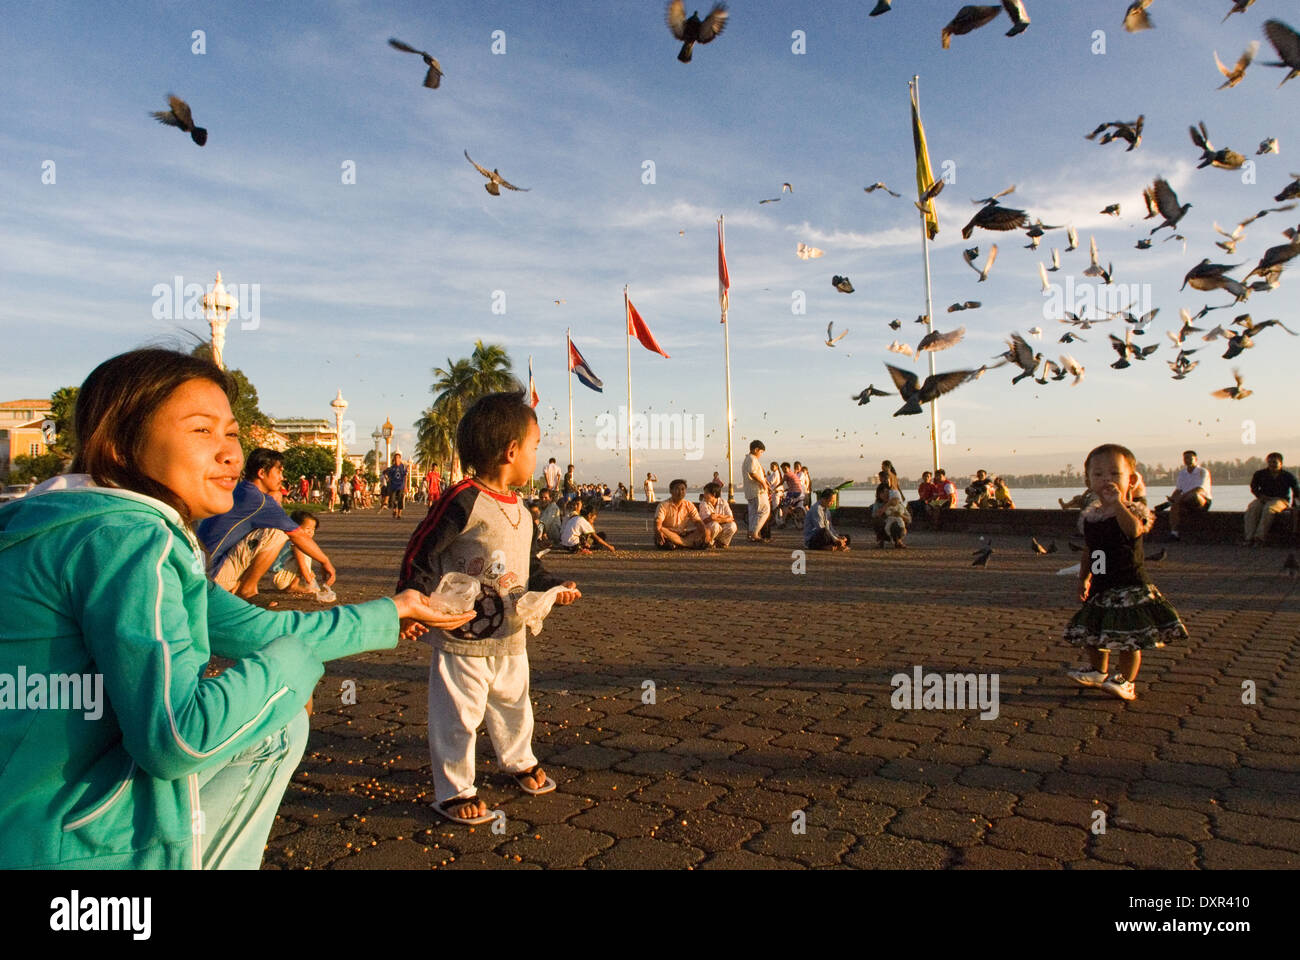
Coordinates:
<point>970,17</point>
<point>1267,146</point>
<point>805,252</point>
<point>1095,268</point>
<point>1212,276</point>
<point>972,253</point>
<point>1236,392</point>
<point>904,348</point>
<point>1072,235</point>
<point>841,284</point>
<point>936,341</point>
<point>880,185</point>
<point>1167,203</point>
<point>1136,18</point>
<point>692,30</point>
<point>1235,74</point>
<point>495,180</point>
<point>1223,159</point>
<point>1019,17</point>
<point>882,6</point>
<point>895,324</point>
<point>831,341</point>
<point>434,76</point>
<point>1111,210</point>
<point>1129,131</point>
<point>1056,261</point>
<point>1287,44</point>
<point>935,189</point>
<point>1020,353</point>
<point>1292,189</point>
<point>915,393</point>
<point>1275,258</point>
<point>996,217</point>
<point>995,197</point>
<point>871,391</point>
<point>966,305</point>
<point>179,116</point>
<point>1229,245</point>
<point>1073,368</point>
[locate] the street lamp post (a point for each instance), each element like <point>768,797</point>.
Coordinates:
<point>377,436</point>
<point>218,305</point>
<point>339,405</point>
<point>388,438</point>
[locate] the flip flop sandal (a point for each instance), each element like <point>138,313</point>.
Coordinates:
<point>546,787</point>
<point>447,806</point>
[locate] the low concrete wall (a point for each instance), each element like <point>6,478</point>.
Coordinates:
<point>1215,526</point>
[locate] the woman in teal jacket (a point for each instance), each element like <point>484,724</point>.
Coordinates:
<point>115,751</point>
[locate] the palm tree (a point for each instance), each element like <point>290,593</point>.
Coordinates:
<point>456,387</point>
<point>492,369</point>
<point>436,438</point>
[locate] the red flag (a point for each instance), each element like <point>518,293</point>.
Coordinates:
<point>533,398</point>
<point>637,328</point>
<point>724,279</point>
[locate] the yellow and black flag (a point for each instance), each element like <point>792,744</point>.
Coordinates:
<point>924,175</point>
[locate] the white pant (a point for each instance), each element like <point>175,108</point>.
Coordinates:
<point>242,554</point>
<point>463,692</point>
<point>721,532</point>
<point>759,510</point>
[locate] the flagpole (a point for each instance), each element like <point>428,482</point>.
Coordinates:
<point>568,364</point>
<point>726,349</point>
<point>627,336</point>
<point>530,403</point>
<point>929,304</point>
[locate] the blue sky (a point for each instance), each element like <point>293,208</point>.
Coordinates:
<point>366,287</point>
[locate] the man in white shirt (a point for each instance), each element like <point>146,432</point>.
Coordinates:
<point>1192,492</point>
<point>552,474</point>
<point>579,535</point>
<point>756,488</point>
<point>649,486</point>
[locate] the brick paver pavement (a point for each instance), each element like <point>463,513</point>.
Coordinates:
<point>772,742</point>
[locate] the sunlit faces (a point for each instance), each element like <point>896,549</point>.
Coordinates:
<point>192,448</point>
<point>1108,468</point>
<point>521,459</point>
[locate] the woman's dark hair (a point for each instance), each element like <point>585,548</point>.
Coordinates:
<point>115,407</point>
<point>488,427</point>
<point>302,516</point>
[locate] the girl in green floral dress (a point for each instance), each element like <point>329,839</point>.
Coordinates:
<point>1122,609</point>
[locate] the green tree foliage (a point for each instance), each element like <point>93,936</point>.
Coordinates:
<point>23,468</point>
<point>63,403</point>
<point>307,459</point>
<point>455,388</point>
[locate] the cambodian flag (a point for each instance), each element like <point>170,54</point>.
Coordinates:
<point>579,366</point>
<point>533,398</point>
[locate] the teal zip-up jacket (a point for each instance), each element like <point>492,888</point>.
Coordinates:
<point>96,580</point>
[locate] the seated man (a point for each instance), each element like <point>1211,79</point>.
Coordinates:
<point>1192,492</point>
<point>552,516</point>
<point>678,523</point>
<point>945,497</point>
<point>925,492</point>
<point>980,492</point>
<point>818,534</point>
<point>579,534</point>
<point>243,543</point>
<point>716,515</point>
<point>1272,488</point>
<point>291,571</point>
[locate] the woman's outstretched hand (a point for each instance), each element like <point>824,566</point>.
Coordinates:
<point>418,615</point>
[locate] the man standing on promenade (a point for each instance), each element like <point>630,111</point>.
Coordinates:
<point>1192,492</point>
<point>570,484</point>
<point>1272,488</point>
<point>552,474</point>
<point>756,490</point>
<point>432,484</point>
<point>649,486</point>
<point>395,477</point>
<point>243,543</point>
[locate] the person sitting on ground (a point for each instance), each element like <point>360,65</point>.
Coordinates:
<point>539,530</point>
<point>894,518</point>
<point>552,516</point>
<point>925,491</point>
<point>1272,487</point>
<point>291,571</point>
<point>243,542</point>
<point>579,534</point>
<point>678,523</point>
<point>1002,495</point>
<point>818,534</point>
<point>619,497</point>
<point>717,516</point>
<point>980,492</point>
<point>1192,493</point>
<point>945,496</point>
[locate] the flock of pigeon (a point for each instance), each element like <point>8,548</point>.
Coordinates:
<point>992,215</point>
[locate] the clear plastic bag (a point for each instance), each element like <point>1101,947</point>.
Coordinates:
<point>533,607</point>
<point>456,593</point>
<point>326,595</point>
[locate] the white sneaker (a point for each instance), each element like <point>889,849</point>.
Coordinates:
<point>1087,676</point>
<point>1117,686</point>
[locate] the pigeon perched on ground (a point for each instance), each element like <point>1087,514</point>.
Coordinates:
<point>971,254</point>
<point>1223,159</point>
<point>1167,203</point>
<point>841,284</point>
<point>1287,44</point>
<point>1159,555</point>
<point>1136,18</point>
<point>996,217</point>
<point>691,30</point>
<point>434,76</point>
<point>968,18</point>
<point>982,554</point>
<point>179,116</point>
<point>865,396</point>
<point>1290,566</point>
<point>495,180</point>
<point>1040,549</point>
<point>1236,392</point>
<point>880,185</point>
<point>1267,146</point>
<point>1236,73</point>
<point>915,392</point>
